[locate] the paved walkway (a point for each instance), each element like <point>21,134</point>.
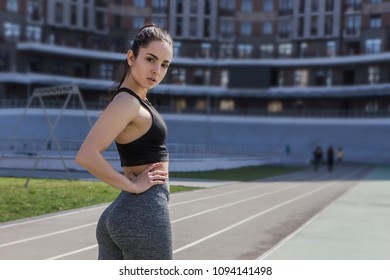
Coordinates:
<point>355,227</point>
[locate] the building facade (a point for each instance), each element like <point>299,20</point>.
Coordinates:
<point>230,56</point>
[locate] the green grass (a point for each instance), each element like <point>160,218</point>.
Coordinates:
<point>248,173</point>
<point>43,196</point>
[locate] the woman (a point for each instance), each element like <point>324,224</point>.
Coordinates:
<point>136,225</point>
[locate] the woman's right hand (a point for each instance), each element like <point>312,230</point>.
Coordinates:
<point>149,177</point>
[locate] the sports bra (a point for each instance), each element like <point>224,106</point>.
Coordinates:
<point>150,147</point>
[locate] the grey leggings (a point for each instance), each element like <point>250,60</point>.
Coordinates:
<point>136,227</point>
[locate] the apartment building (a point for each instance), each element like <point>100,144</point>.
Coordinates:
<point>230,56</point>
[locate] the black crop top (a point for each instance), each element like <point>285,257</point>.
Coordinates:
<point>150,147</point>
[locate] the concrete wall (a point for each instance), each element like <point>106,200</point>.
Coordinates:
<point>363,140</point>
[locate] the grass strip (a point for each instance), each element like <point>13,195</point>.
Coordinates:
<point>247,173</point>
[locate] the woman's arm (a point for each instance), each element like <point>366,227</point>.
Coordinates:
<point>118,114</point>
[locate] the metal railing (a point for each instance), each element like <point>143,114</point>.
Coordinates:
<point>69,147</point>
<point>337,113</point>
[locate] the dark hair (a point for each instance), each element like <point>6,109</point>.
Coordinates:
<point>145,35</point>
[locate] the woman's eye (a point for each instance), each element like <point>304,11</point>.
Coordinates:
<point>165,65</point>
<point>150,59</point>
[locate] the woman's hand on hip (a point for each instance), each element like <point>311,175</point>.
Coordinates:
<point>149,177</point>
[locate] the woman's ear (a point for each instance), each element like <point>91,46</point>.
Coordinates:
<point>130,57</point>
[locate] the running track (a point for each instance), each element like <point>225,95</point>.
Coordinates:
<point>234,220</point>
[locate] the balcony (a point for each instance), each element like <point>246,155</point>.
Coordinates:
<point>351,33</point>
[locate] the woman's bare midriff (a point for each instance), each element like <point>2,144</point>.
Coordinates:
<point>136,170</point>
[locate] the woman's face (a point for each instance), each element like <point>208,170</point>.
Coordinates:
<point>148,69</point>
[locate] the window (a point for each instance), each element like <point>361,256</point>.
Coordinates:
<point>178,27</point>
<point>314,6</point>
<point>100,20</point>
<point>227,4</point>
<point>159,6</point>
<point>85,17</point>
<point>301,26</point>
<point>302,49</point>
<point>4,63</point>
<point>194,7</point>
<point>266,51</point>
<point>179,6</point>
<point>225,50</point>
<point>329,77</point>
<point>373,74</point>
<point>244,50</point>
<point>246,28</point>
<point>314,26</point>
<point>353,22</point>
<point>285,50</point>
<point>33,33</point>
<point>139,3</point>
<point>11,30</point>
<point>73,15</point>
<point>302,4</point>
<point>206,28</point>
<point>179,76</point>
<point>227,105</point>
<point>58,13</point>
<point>286,5</point>
<point>226,29</point>
<point>285,28</point>
<point>274,107</point>
<point>281,78</point>
<point>331,48</point>
<point>329,5</point>
<point>139,22</point>
<point>160,21</point>
<point>373,45</point>
<point>177,49</point>
<point>12,5</point>
<point>206,47</point>
<point>193,27</point>
<point>33,10</point>
<point>224,78</point>
<point>59,67</point>
<point>267,28</point>
<point>106,70</point>
<point>246,6</point>
<point>328,25</point>
<point>181,104</point>
<point>301,78</point>
<point>268,5</point>
<point>375,21</point>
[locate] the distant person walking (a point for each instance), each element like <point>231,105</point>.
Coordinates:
<point>317,157</point>
<point>137,224</point>
<point>330,158</point>
<point>340,154</point>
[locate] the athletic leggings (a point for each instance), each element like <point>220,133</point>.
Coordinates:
<point>136,226</point>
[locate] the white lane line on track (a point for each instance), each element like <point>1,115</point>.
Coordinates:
<point>73,252</point>
<point>46,235</point>
<point>259,214</point>
<point>266,184</point>
<point>236,202</point>
<point>53,216</point>
<point>243,200</point>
